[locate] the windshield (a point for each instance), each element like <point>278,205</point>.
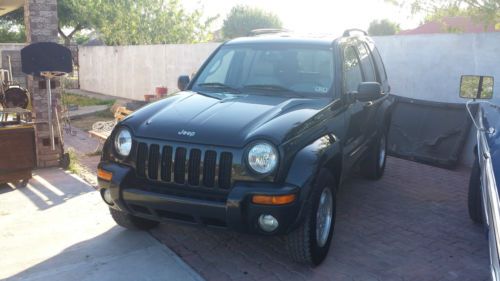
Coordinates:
<point>268,70</point>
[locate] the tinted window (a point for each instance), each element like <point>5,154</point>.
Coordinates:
<point>378,62</point>
<point>299,69</point>
<point>352,70</point>
<point>218,70</point>
<point>366,63</point>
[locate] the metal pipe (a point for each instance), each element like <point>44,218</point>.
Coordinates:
<point>10,71</point>
<point>49,101</point>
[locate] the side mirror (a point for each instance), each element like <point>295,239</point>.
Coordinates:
<point>368,91</point>
<point>476,87</point>
<point>183,82</point>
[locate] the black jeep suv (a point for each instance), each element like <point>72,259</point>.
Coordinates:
<point>259,141</point>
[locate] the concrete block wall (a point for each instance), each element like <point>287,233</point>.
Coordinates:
<point>429,66</point>
<point>424,67</point>
<point>15,61</point>
<point>9,47</point>
<point>133,71</point>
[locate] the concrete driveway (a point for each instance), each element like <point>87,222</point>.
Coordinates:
<point>57,228</point>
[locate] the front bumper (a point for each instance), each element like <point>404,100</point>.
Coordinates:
<point>236,212</point>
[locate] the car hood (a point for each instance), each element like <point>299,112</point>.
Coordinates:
<point>222,119</point>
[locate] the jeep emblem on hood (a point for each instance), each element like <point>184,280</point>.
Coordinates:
<point>186,133</point>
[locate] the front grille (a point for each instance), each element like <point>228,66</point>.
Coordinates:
<point>183,166</point>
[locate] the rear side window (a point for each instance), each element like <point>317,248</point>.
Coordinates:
<point>352,70</point>
<point>379,64</point>
<point>366,63</point>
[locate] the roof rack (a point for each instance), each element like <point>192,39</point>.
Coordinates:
<point>348,32</point>
<point>262,31</point>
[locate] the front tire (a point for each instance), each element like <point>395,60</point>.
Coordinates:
<point>310,242</point>
<point>373,166</point>
<point>132,222</point>
<point>474,199</point>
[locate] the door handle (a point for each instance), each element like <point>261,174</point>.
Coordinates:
<point>368,103</point>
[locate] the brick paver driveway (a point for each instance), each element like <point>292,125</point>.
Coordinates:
<point>411,225</point>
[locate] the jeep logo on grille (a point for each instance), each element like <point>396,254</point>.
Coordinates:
<point>186,133</point>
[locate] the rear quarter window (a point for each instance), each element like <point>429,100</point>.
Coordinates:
<point>382,75</point>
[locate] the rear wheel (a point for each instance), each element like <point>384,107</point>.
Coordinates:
<point>132,222</point>
<point>474,196</point>
<point>310,242</point>
<point>373,166</point>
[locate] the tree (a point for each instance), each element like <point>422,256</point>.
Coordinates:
<point>10,34</point>
<point>120,22</point>
<point>484,11</point>
<point>75,15</point>
<point>382,28</point>
<point>12,28</point>
<point>438,14</point>
<point>241,20</point>
<point>150,22</point>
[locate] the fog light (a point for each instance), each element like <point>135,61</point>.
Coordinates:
<point>268,223</point>
<point>106,196</point>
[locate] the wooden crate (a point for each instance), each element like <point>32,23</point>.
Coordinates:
<point>17,153</point>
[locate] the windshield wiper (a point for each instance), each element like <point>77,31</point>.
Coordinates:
<point>269,87</point>
<point>210,95</point>
<point>217,85</point>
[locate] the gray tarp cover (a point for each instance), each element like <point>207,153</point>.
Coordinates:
<point>429,132</point>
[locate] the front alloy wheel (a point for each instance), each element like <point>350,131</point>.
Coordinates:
<point>324,217</point>
<point>310,242</point>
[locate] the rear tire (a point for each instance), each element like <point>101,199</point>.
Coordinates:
<point>373,166</point>
<point>309,243</point>
<point>132,222</point>
<point>474,199</point>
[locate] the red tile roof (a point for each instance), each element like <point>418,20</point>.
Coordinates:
<point>450,24</point>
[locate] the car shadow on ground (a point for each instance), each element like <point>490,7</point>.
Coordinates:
<point>116,254</point>
<point>410,225</point>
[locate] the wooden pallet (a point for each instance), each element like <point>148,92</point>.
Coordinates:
<point>102,129</point>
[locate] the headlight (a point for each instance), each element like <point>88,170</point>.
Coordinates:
<point>123,142</point>
<point>262,158</point>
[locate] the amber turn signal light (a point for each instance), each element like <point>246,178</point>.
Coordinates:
<point>104,175</point>
<point>273,199</point>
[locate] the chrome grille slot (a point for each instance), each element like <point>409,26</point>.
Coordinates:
<point>209,165</point>
<point>179,165</point>
<point>142,154</point>
<point>225,169</point>
<point>153,161</point>
<point>166,164</point>
<point>194,167</point>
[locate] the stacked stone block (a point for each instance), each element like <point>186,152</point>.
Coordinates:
<point>41,22</point>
